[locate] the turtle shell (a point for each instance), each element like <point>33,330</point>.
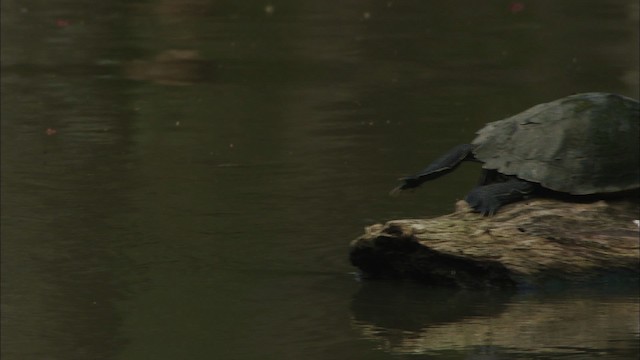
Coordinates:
<point>581,144</point>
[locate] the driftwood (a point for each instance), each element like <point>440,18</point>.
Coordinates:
<point>524,243</point>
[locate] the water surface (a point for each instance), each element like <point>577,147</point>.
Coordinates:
<point>181,179</point>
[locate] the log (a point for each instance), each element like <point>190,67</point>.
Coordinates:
<point>525,243</point>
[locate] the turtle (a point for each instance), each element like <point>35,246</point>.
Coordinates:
<point>582,144</point>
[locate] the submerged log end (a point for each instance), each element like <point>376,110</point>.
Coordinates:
<point>525,242</point>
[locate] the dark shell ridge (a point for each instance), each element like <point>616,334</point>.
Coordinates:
<point>581,144</point>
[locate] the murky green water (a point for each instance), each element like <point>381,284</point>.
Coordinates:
<point>181,179</point>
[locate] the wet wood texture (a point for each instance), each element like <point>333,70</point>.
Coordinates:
<point>526,242</point>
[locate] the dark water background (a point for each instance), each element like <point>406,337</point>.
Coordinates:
<point>181,178</point>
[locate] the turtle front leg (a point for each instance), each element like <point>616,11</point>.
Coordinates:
<point>487,199</point>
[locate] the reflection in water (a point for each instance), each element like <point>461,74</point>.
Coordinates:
<point>410,307</point>
<point>172,67</point>
<point>404,319</point>
<point>212,219</point>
